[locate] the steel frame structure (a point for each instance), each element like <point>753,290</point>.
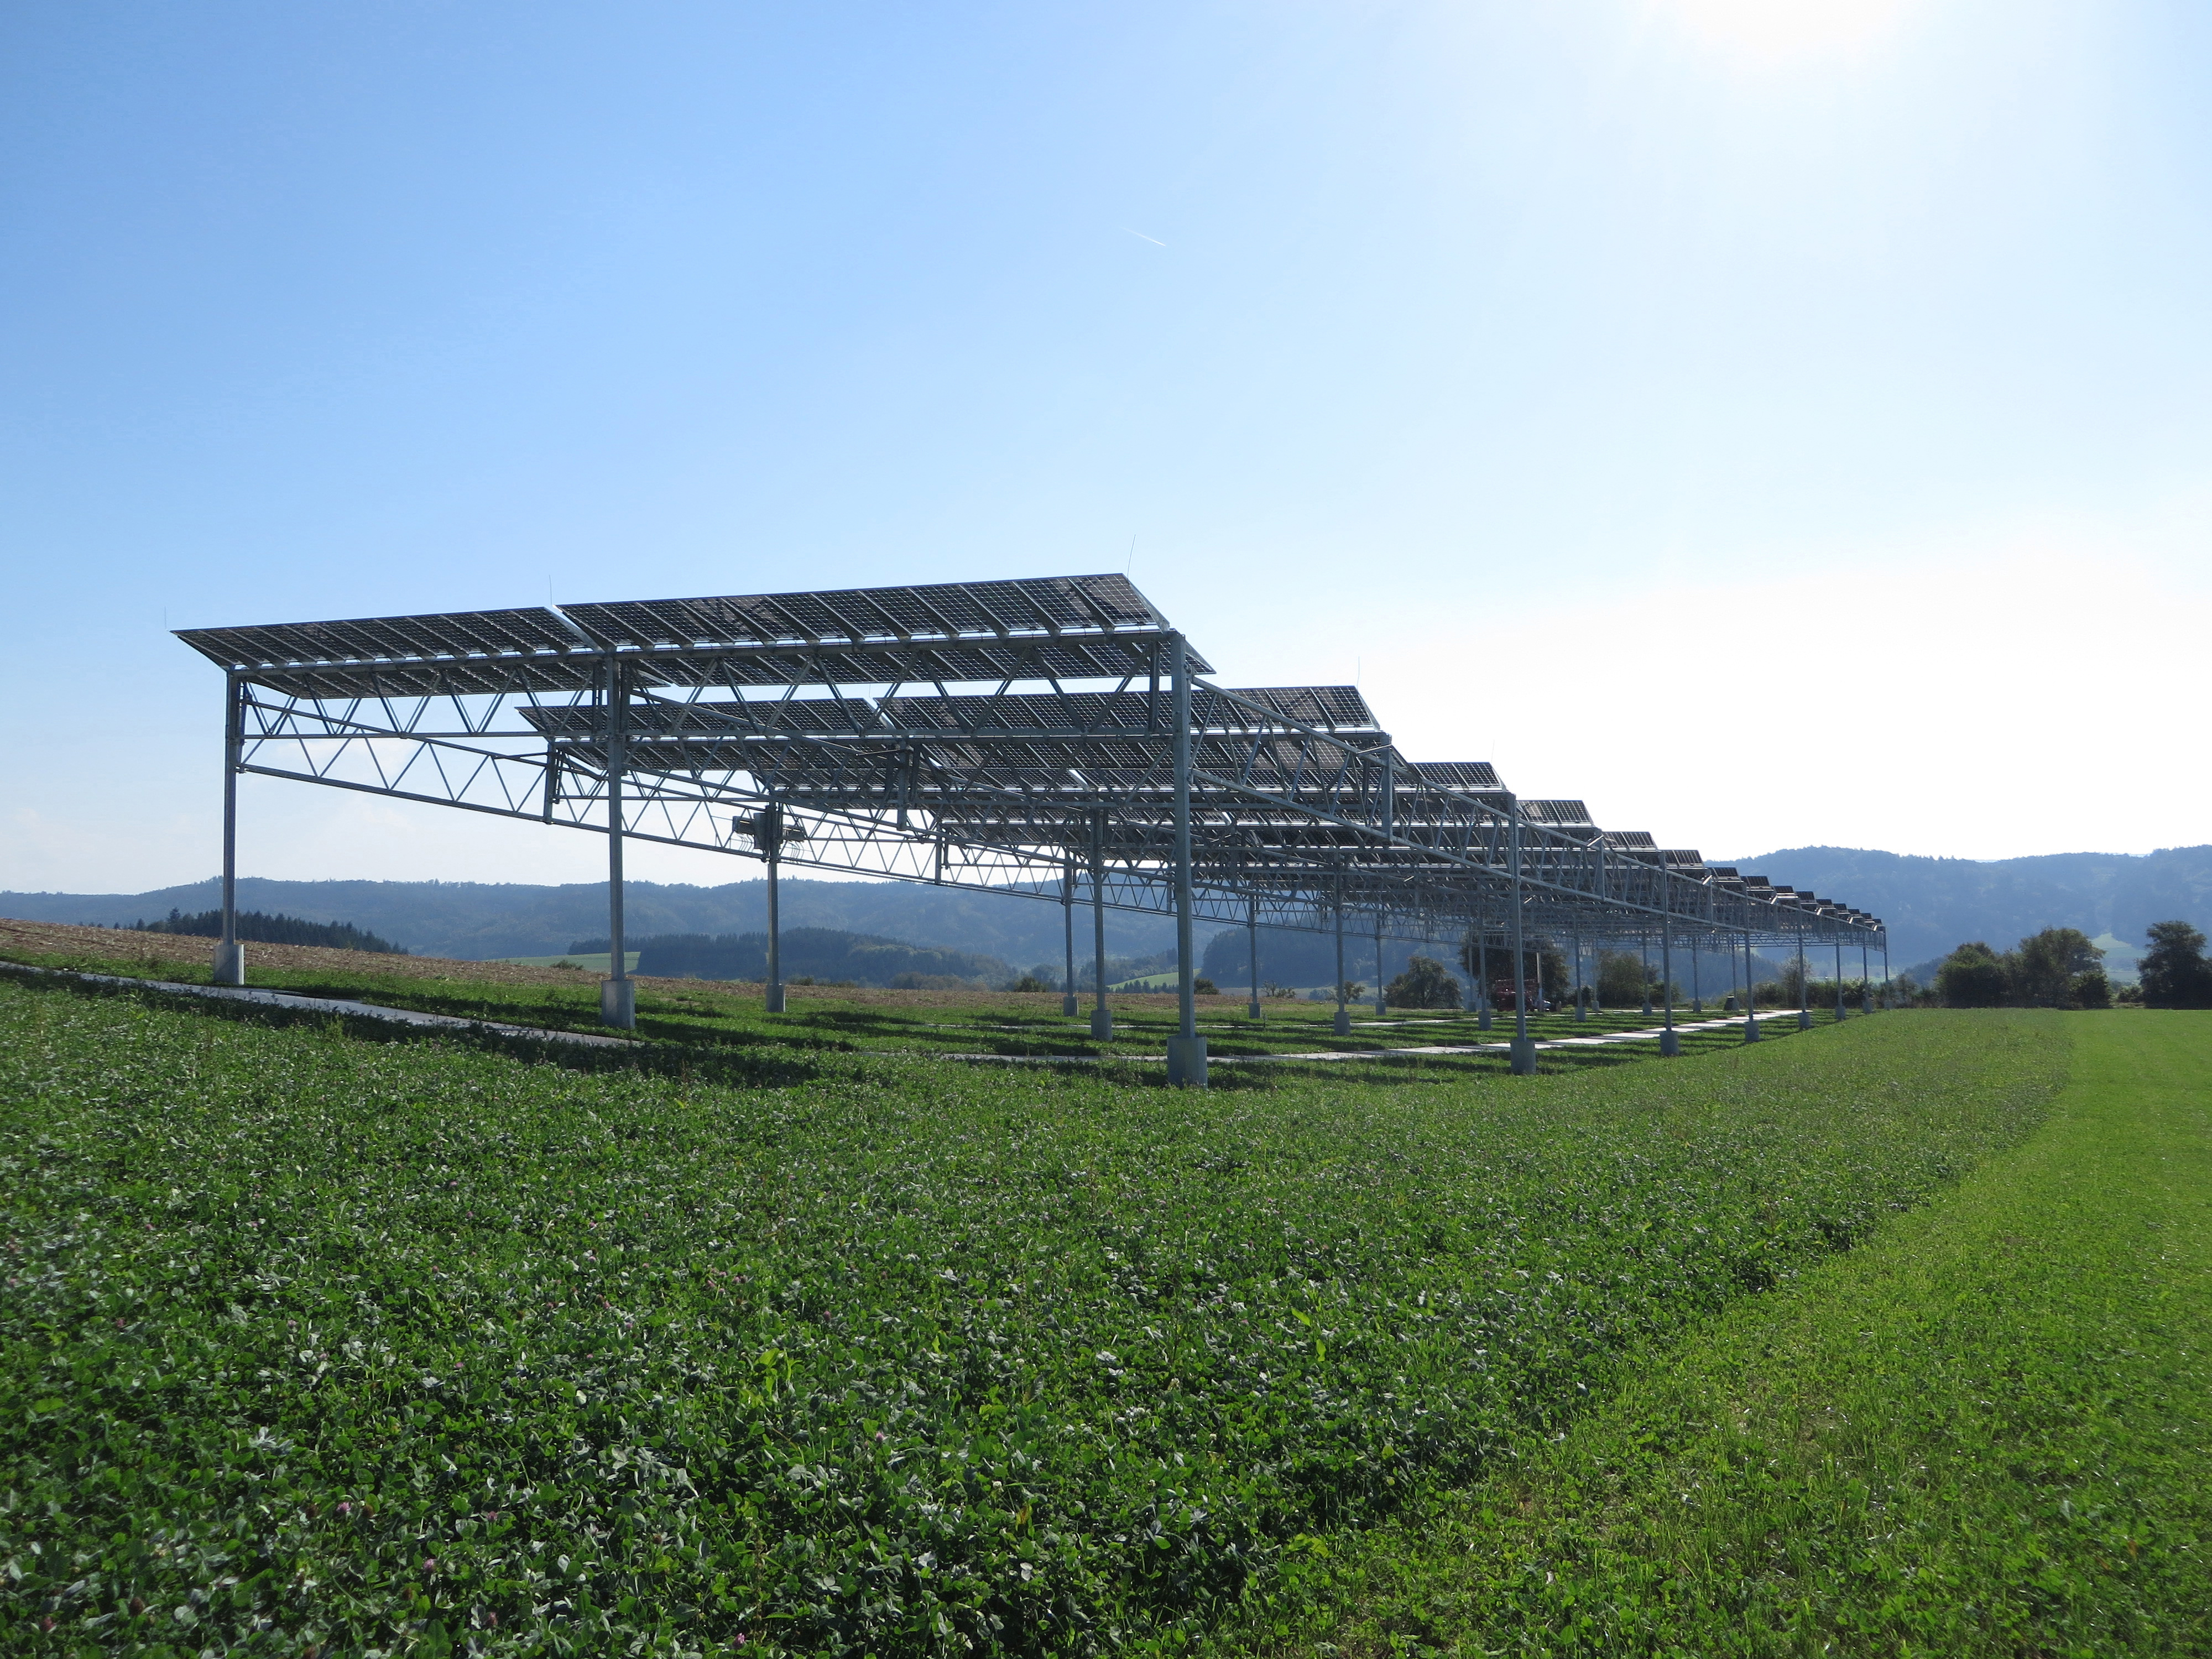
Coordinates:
<point>1026,736</point>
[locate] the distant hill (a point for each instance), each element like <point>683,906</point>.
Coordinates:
<point>478,921</point>
<point>1934,904</point>
<point>1931,904</point>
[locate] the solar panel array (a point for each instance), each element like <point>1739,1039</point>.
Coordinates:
<point>1030,721</point>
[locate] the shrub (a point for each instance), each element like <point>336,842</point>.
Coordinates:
<point>2092,989</point>
<point>1972,976</point>
<point>1426,983</point>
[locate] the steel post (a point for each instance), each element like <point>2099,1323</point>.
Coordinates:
<point>1067,1005</point>
<point>1252,942</point>
<point>1580,1011</point>
<point>617,993</point>
<point>1643,956</point>
<point>1750,994</point>
<point>1866,979</point>
<point>1839,980</point>
<point>229,953</point>
<point>1382,998</point>
<point>1342,1024</point>
<point>1804,984</point>
<point>1670,1041</point>
<point>1186,1050</point>
<point>773,818</point>
<point>1484,1020</point>
<point>1102,1015</point>
<point>1523,1051</point>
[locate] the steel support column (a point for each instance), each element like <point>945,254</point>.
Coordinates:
<point>1067,916</point>
<point>1523,1051</point>
<point>773,818</point>
<point>1670,1041</point>
<point>1342,1023</point>
<point>1187,1050</point>
<point>229,953</point>
<point>1580,1011</point>
<point>1102,1015</point>
<point>617,993</point>
<point>1804,982</point>
<point>1750,994</point>
<point>1252,941</point>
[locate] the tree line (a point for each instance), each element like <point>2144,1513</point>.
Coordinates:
<point>2059,968</point>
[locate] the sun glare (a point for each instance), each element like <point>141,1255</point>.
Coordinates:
<point>1771,30</point>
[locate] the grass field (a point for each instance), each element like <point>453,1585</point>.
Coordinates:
<point>1989,1432</point>
<point>321,1344</point>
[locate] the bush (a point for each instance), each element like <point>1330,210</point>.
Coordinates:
<point>1426,983</point>
<point>2092,989</point>
<point>1204,986</point>
<point>1972,976</point>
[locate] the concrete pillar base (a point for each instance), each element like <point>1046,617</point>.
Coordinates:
<point>230,963</point>
<point>1522,1056</point>
<point>618,1003</point>
<point>1484,1020</point>
<point>1254,1010</point>
<point>1647,1011</point>
<point>1067,1008</point>
<point>1102,1024</point>
<point>1187,1062</point>
<point>1729,1007</point>
<point>774,1000</point>
<point>1804,1019</point>
<point>1751,1032</point>
<point>1342,1023</point>
<point>1670,1044</point>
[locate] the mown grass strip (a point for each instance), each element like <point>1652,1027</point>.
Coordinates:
<point>1987,1433</point>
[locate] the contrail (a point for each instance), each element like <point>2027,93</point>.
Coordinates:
<point>1142,237</point>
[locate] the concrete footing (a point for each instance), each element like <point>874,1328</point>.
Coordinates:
<point>1523,1053</point>
<point>774,1000</point>
<point>1187,1062</point>
<point>1804,1019</point>
<point>1342,1023</point>
<point>1670,1044</point>
<point>230,962</point>
<point>1067,1008</point>
<point>1101,1022</point>
<point>618,1003</point>
<point>1484,1020</point>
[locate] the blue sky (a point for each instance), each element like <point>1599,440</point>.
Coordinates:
<point>1773,423</point>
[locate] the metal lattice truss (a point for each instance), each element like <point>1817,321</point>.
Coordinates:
<point>1017,736</point>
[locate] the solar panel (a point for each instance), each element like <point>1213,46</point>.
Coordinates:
<point>1069,627</point>
<point>1046,606</point>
